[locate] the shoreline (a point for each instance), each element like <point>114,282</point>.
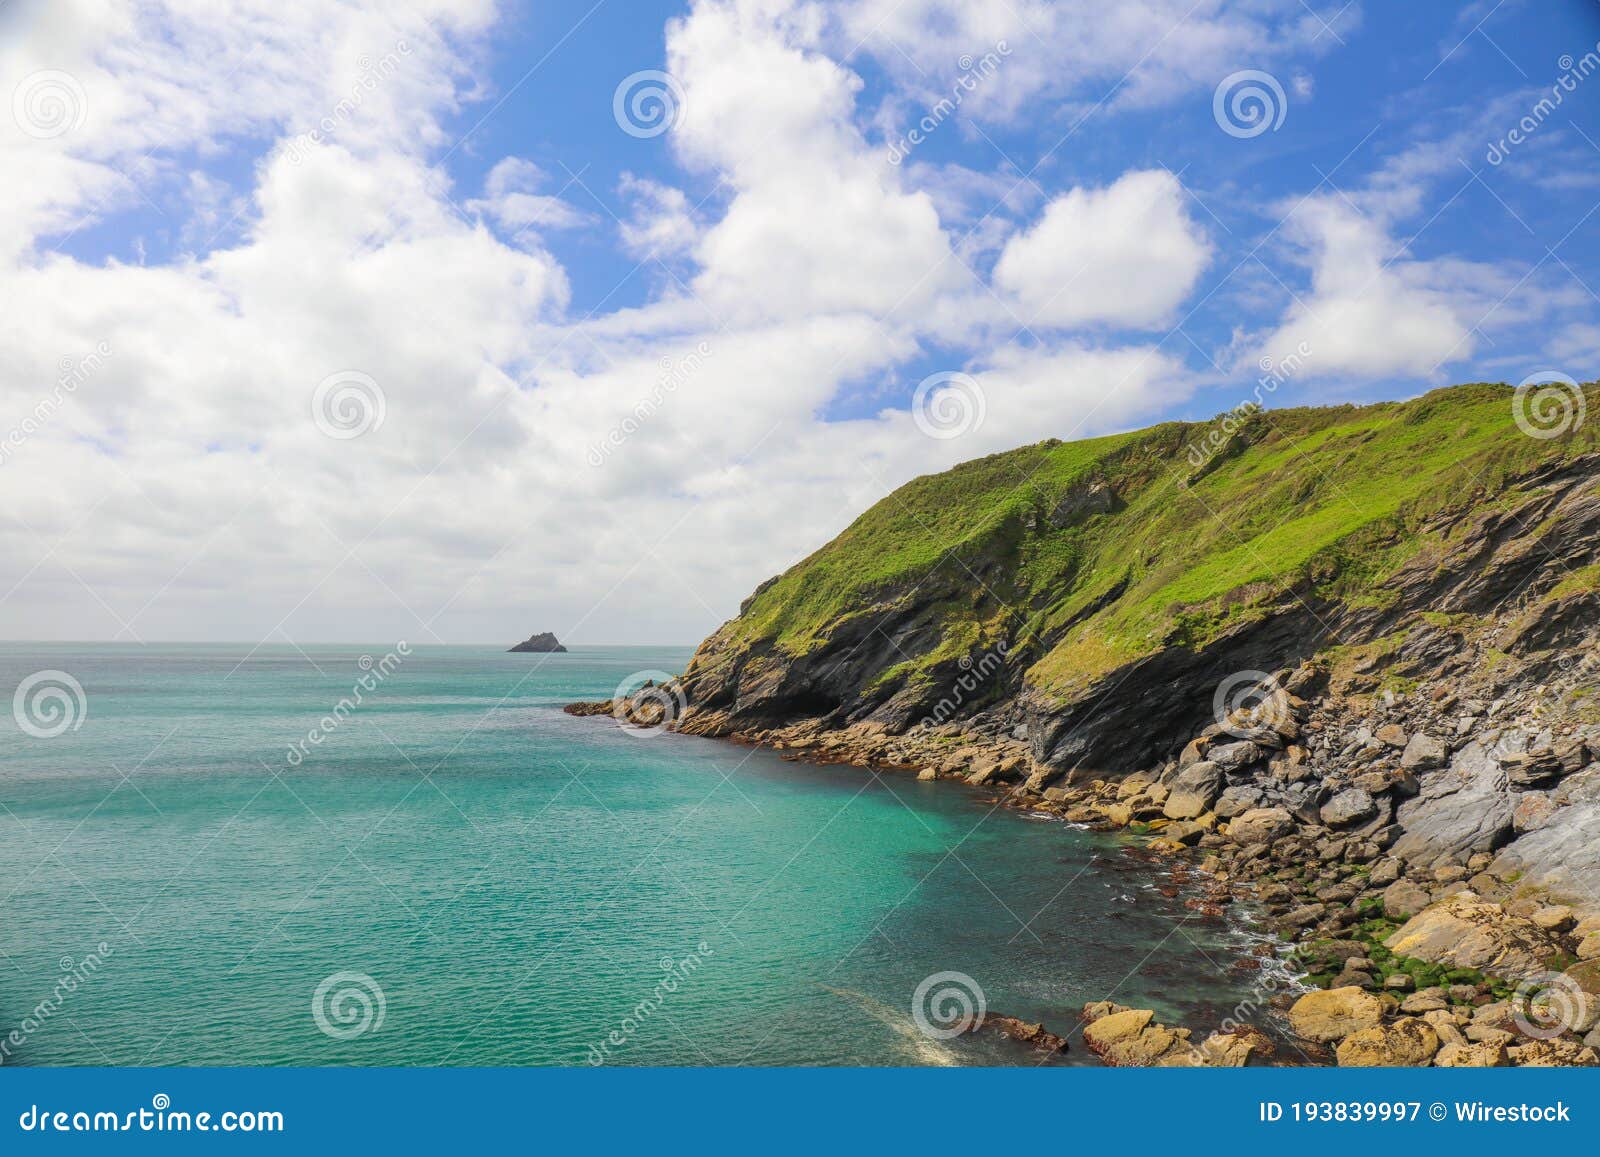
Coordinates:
<point>1402,956</point>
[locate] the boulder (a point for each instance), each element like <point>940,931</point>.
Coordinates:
<point>1469,1056</point>
<point>1260,826</point>
<point>1403,900</point>
<point>1424,753</point>
<point>1467,931</point>
<point>1392,734</point>
<point>1526,769</point>
<point>1408,1042</point>
<point>1552,1054</point>
<point>1335,1014</point>
<point>1532,812</point>
<point>1232,756</point>
<point>1462,809</point>
<point>1193,791</point>
<point>1350,806</point>
<point>1126,1037</point>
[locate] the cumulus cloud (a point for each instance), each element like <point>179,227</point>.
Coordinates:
<point>1126,254</point>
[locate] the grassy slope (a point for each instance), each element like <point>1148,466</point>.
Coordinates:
<point>1326,497</point>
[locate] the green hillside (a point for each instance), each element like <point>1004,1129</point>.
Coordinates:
<point>1086,555</point>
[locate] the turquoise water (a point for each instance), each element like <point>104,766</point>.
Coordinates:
<point>522,886</point>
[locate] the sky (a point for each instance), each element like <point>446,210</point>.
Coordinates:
<point>455,320</point>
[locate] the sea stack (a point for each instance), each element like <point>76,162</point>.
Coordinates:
<point>544,643</point>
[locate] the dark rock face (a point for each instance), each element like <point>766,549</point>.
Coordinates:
<point>543,643</point>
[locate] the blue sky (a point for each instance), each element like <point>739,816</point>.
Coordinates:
<point>555,332</point>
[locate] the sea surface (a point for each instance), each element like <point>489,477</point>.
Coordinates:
<point>458,873</point>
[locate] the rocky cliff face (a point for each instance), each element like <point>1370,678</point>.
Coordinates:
<point>1424,580</point>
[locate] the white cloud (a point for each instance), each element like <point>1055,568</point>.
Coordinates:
<point>510,197</point>
<point>1127,254</point>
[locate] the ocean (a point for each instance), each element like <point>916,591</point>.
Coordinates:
<point>204,860</point>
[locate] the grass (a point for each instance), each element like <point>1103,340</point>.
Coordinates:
<point>1325,502</point>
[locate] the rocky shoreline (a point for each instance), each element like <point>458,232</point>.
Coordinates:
<point>1394,838</point>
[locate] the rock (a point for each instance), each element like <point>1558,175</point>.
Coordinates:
<point>927,773</point>
<point>1531,769</point>
<point>1232,756</point>
<point>1334,1014</point>
<point>1392,734</point>
<point>1532,812</point>
<point>1385,873</point>
<point>1424,753</point>
<point>1469,932</point>
<point>1589,947</point>
<point>1260,825</point>
<point>1399,982</point>
<point>1233,1050</point>
<point>1408,1042</point>
<point>1461,810</point>
<point>544,643</point>
<point>1428,1000</point>
<point>1020,1030</point>
<point>1127,1037</point>
<point>1550,1054</point>
<point>1350,806</point>
<point>1237,800</point>
<point>1403,900</point>
<point>1193,790</point>
<point>1468,1056</point>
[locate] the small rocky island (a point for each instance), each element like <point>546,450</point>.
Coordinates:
<point>544,643</point>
